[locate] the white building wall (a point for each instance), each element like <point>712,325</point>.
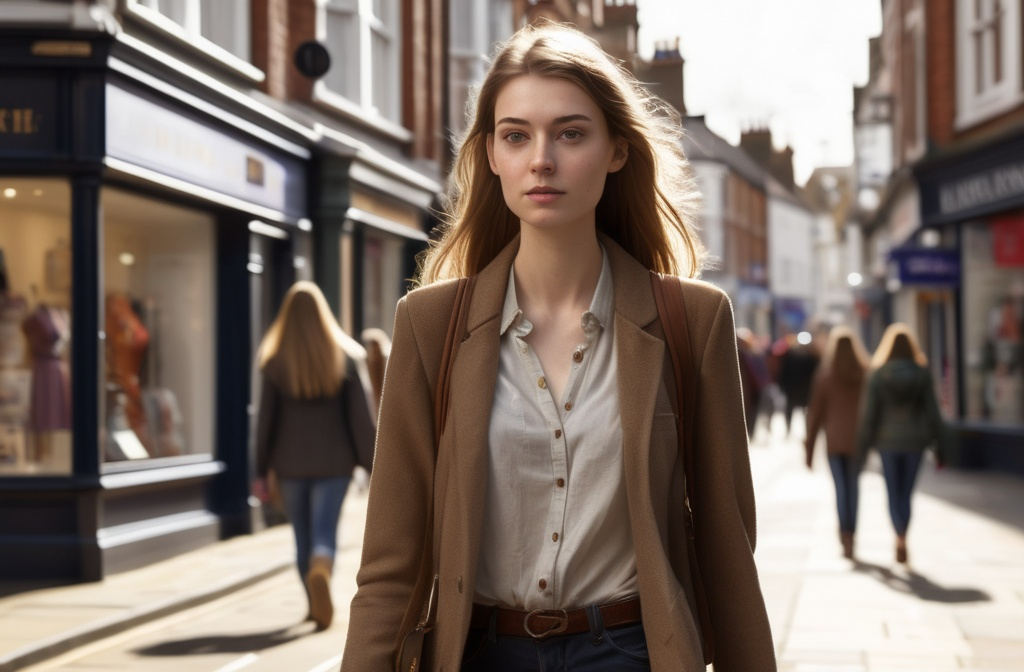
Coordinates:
<point>790,250</point>
<point>710,179</point>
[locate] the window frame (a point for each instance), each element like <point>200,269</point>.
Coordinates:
<point>189,34</point>
<point>360,101</point>
<point>974,106</point>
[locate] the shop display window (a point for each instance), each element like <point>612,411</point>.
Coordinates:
<point>993,320</point>
<point>159,319</point>
<point>35,327</point>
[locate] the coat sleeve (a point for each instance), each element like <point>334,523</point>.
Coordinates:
<point>816,412</point>
<point>401,492</point>
<point>724,508</point>
<point>358,420</point>
<point>266,418</point>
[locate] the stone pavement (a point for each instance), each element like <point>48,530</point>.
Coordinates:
<point>958,606</point>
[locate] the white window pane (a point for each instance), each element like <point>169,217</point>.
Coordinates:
<point>226,23</point>
<point>383,75</point>
<point>343,43</point>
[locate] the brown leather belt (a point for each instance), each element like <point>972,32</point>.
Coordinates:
<point>542,623</point>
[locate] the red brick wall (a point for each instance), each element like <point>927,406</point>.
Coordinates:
<point>940,40</point>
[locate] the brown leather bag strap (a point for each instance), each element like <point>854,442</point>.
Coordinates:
<point>668,295</point>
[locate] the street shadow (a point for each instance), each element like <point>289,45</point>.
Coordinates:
<point>921,586</point>
<point>246,643</point>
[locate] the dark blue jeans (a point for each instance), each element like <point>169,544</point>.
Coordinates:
<point>314,507</point>
<point>845,474</point>
<point>900,469</point>
<point>600,650</point>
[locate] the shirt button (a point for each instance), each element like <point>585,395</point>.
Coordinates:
<point>577,356</point>
<point>558,433</point>
<point>554,537</point>
<point>541,383</point>
<point>560,482</point>
<point>568,405</point>
<point>543,584</point>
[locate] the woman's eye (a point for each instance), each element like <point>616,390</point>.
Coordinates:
<point>515,136</point>
<point>572,134</point>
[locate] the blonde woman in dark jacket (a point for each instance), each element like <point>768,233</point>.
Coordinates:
<point>313,428</point>
<point>835,397</point>
<point>901,418</point>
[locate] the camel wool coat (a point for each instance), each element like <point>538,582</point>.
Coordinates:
<point>411,479</point>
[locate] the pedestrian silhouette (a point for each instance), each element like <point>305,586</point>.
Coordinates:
<point>900,419</point>
<point>836,392</point>
<point>797,363</point>
<point>313,428</point>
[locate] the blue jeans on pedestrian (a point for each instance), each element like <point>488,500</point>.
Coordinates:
<point>314,507</point>
<point>622,649</point>
<point>845,474</point>
<point>900,469</point>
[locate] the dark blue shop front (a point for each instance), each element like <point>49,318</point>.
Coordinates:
<point>147,232</point>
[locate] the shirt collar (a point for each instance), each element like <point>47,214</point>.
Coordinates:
<point>601,306</point>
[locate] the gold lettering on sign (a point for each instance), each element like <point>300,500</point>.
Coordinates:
<point>254,173</point>
<point>19,121</point>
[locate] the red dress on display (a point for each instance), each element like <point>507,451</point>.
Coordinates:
<point>127,340</point>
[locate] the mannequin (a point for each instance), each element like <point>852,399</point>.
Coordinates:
<point>47,330</point>
<point>127,340</point>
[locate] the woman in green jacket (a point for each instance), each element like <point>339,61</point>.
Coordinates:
<point>900,418</point>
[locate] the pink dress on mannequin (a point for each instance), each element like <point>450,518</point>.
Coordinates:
<point>50,408</point>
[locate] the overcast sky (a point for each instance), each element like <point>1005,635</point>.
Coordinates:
<point>788,64</point>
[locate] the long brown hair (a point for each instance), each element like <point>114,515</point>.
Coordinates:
<point>649,207</point>
<point>302,351</point>
<point>898,342</point>
<point>845,358</point>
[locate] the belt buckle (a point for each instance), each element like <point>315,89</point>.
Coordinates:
<point>560,617</point>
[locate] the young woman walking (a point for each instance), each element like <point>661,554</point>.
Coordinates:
<point>556,494</point>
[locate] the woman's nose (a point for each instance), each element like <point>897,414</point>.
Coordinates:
<point>543,161</point>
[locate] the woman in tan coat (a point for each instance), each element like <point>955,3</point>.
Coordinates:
<point>555,496</point>
<point>835,399</point>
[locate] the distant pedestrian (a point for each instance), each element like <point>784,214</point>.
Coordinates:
<point>378,349</point>
<point>835,398</point>
<point>797,364</point>
<point>901,418</point>
<point>753,375</point>
<point>313,428</point>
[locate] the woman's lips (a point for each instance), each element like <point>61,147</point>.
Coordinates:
<point>543,195</point>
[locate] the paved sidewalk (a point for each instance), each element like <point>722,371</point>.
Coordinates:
<point>40,624</point>
<point>959,606</point>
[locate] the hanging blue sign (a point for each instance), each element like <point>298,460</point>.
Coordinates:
<point>927,266</point>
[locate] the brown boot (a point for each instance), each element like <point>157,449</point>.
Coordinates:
<point>901,550</point>
<point>847,540</point>
<point>318,583</point>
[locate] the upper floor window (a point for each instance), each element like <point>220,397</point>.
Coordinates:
<point>364,38</point>
<point>988,59</point>
<point>226,23</point>
<point>912,86</point>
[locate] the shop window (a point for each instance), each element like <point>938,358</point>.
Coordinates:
<point>382,263</point>
<point>35,327</point>
<point>159,320</point>
<point>988,59</point>
<point>365,39</point>
<point>993,320</point>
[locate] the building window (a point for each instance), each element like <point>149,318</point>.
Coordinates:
<point>225,23</point>
<point>159,319</point>
<point>35,327</point>
<point>364,37</point>
<point>988,59</point>
<point>912,86</point>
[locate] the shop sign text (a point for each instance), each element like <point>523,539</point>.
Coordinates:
<point>982,189</point>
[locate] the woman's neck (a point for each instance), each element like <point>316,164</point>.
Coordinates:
<point>554,271</point>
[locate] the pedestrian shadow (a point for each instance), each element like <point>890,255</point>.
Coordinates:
<point>911,582</point>
<point>245,643</point>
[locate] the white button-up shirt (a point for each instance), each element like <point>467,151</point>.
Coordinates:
<point>556,530</point>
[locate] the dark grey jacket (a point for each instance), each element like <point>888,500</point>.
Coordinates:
<point>314,438</point>
<point>900,411</point>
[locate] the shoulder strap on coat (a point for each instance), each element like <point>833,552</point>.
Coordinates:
<point>668,295</point>
<point>456,334</point>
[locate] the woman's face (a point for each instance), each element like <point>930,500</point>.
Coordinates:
<point>552,152</point>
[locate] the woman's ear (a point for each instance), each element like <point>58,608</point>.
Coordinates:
<point>490,153</point>
<point>620,155</point>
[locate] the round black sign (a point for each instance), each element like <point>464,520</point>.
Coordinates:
<point>312,59</point>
